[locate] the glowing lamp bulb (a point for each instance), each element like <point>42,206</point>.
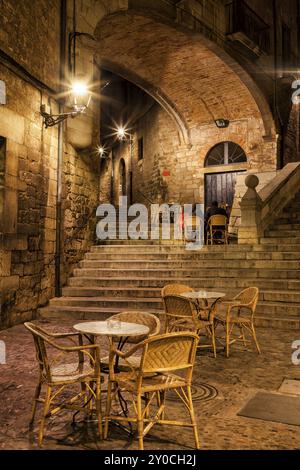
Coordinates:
<point>79,89</point>
<point>101,151</point>
<point>121,133</point>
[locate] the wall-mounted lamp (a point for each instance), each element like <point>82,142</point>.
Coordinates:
<point>79,101</point>
<point>103,152</point>
<point>222,123</point>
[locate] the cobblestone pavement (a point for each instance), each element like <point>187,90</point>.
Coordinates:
<point>222,387</point>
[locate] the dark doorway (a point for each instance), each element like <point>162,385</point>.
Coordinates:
<point>122,180</point>
<point>220,187</point>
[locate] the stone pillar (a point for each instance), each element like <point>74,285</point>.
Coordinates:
<point>250,230</point>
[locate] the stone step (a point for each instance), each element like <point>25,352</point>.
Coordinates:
<point>200,272</point>
<point>269,308</point>
<point>88,313</point>
<point>277,323</point>
<point>202,263</point>
<point>141,242</point>
<point>126,302</point>
<point>282,233</point>
<point>280,241</point>
<point>192,256</point>
<point>197,283</point>
<point>293,217</point>
<point>93,291</point>
<point>155,292</point>
<point>263,317</point>
<point>285,310</point>
<point>285,226</point>
<point>270,246</point>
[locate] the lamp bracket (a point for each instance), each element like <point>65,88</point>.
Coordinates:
<point>51,120</point>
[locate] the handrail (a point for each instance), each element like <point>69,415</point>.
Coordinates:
<point>278,193</point>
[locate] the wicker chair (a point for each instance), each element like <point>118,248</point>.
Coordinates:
<point>217,224</point>
<point>175,289</point>
<point>161,356</point>
<point>182,315</point>
<point>56,374</point>
<point>240,315</point>
<point>141,318</point>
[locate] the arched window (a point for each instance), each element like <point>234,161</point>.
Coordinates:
<point>225,153</point>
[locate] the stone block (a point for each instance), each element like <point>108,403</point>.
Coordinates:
<point>12,125</point>
<point>10,212</point>
<point>5,263</point>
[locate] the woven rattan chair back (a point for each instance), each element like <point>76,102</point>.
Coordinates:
<point>218,220</point>
<point>248,298</point>
<point>175,289</point>
<point>176,305</point>
<point>41,338</point>
<point>141,318</point>
<point>170,352</point>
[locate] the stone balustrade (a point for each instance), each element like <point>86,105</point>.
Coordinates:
<point>260,209</point>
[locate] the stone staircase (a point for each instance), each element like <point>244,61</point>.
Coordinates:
<point>126,274</point>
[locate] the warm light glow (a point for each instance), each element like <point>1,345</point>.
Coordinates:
<point>101,151</point>
<point>79,89</point>
<point>121,133</point>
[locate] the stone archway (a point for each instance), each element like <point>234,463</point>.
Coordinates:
<point>182,70</point>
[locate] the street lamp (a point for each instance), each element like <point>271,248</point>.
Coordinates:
<point>79,98</point>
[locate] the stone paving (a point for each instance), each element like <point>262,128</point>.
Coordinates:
<point>222,387</point>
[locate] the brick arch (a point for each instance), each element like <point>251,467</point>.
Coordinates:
<point>156,94</point>
<point>189,76</point>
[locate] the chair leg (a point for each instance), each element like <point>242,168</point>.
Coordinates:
<point>34,406</point>
<point>255,338</point>
<point>45,413</point>
<point>98,407</point>
<point>108,408</point>
<point>147,399</point>
<point>163,402</point>
<point>227,338</point>
<point>243,335</point>
<point>193,418</point>
<point>213,338</point>
<point>140,422</point>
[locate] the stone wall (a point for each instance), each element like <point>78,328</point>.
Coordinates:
<point>30,32</point>
<point>28,228</point>
<point>30,35</point>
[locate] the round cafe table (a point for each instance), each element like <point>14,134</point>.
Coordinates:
<point>204,296</point>
<point>111,329</point>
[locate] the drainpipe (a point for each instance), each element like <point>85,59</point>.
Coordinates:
<point>275,102</point>
<point>63,34</point>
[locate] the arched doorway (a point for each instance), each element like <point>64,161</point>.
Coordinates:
<point>122,178</point>
<point>226,161</point>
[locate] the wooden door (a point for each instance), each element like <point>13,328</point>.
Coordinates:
<point>220,187</point>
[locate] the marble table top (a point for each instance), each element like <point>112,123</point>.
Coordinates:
<point>112,328</point>
<point>203,294</point>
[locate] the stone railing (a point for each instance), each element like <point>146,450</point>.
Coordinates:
<point>260,209</point>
